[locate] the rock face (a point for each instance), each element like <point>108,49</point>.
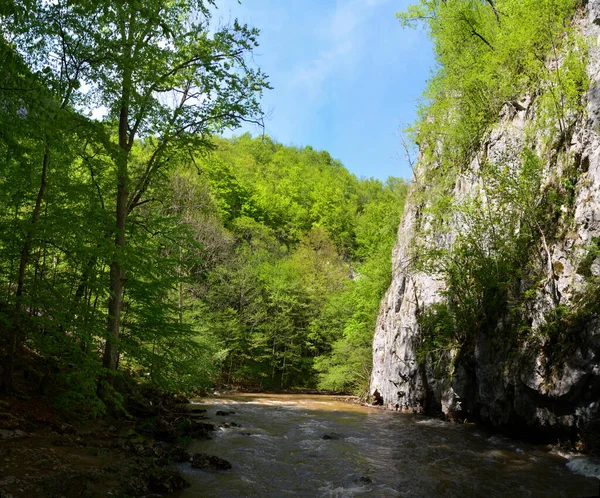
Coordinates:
<point>496,382</point>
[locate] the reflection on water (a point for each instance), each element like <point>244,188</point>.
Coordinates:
<point>278,451</point>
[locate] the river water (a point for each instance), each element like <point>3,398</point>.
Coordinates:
<point>277,450</point>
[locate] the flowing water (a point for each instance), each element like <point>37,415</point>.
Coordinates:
<point>278,451</point>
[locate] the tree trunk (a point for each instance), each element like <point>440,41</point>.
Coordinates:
<point>9,366</point>
<point>117,272</point>
<point>180,289</point>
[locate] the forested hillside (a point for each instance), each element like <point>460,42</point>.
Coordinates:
<point>293,261</point>
<point>141,244</point>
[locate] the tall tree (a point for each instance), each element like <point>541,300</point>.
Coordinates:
<point>166,81</point>
<point>163,54</point>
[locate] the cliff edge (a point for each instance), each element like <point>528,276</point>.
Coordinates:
<point>492,314</point>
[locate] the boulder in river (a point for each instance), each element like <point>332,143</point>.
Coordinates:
<point>162,430</point>
<point>179,455</point>
<point>332,435</point>
<point>167,481</point>
<point>229,425</point>
<point>200,430</point>
<point>209,462</point>
<point>181,399</point>
<point>363,480</point>
<point>221,413</point>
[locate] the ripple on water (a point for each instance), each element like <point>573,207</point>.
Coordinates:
<point>350,489</point>
<point>356,440</point>
<point>404,455</point>
<point>434,422</point>
<point>588,467</point>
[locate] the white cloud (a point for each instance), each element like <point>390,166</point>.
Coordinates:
<point>343,40</point>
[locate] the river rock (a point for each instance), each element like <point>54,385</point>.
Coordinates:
<point>162,430</point>
<point>161,449</point>
<point>332,435</point>
<point>9,421</point>
<point>68,484</point>
<point>209,462</point>
<point>141,449</point>
<point>65,429</point>
<point>179,455</point>
<point>16,434</point>
<point>136,486</point>
<point>363,480</point>
<point>181,399</point>
<point>221,413</point>
<point>199,430</point>
<point>229,425</point>
<point>167,481</point>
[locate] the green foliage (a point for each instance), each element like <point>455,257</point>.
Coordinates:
<point>438,333</point>
<point>565,327</point>
<point>281,296</point>
<point>492,54</point>
<point>585,266</point>
<point>354,312</point>
<point>61,245</point>
<point>220,260</point>
<point>503,230</point>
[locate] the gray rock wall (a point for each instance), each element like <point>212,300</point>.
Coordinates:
<point>496,385</point>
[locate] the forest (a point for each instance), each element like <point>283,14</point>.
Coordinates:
<point>187,303</point>
<point>137,244</point>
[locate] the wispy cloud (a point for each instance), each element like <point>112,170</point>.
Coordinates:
<point>343,40</point>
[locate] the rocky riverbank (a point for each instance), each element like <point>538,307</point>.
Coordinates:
<point>42,454</point>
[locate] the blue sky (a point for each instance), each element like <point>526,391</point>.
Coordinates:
<point>346,77</point>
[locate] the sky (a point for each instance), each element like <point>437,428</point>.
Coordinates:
<point>346,77</point>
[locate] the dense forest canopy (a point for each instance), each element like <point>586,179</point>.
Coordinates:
<point>143,243</point>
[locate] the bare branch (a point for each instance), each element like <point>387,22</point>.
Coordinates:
<point>474,32</point>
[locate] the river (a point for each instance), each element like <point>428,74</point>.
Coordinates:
<point>277,450</point>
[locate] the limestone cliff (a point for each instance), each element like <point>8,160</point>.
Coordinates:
<point>504,380</point>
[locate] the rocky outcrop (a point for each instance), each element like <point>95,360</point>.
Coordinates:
<point>210,462</point>
<point>499,381</point>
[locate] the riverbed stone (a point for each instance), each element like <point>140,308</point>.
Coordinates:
<point>209,462</point>
<point>363,481</point>
<point>167,481</point>
<point>200,430</point>
<point>332,436</point>
<point>179,454</point>
<point>16,434</point>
